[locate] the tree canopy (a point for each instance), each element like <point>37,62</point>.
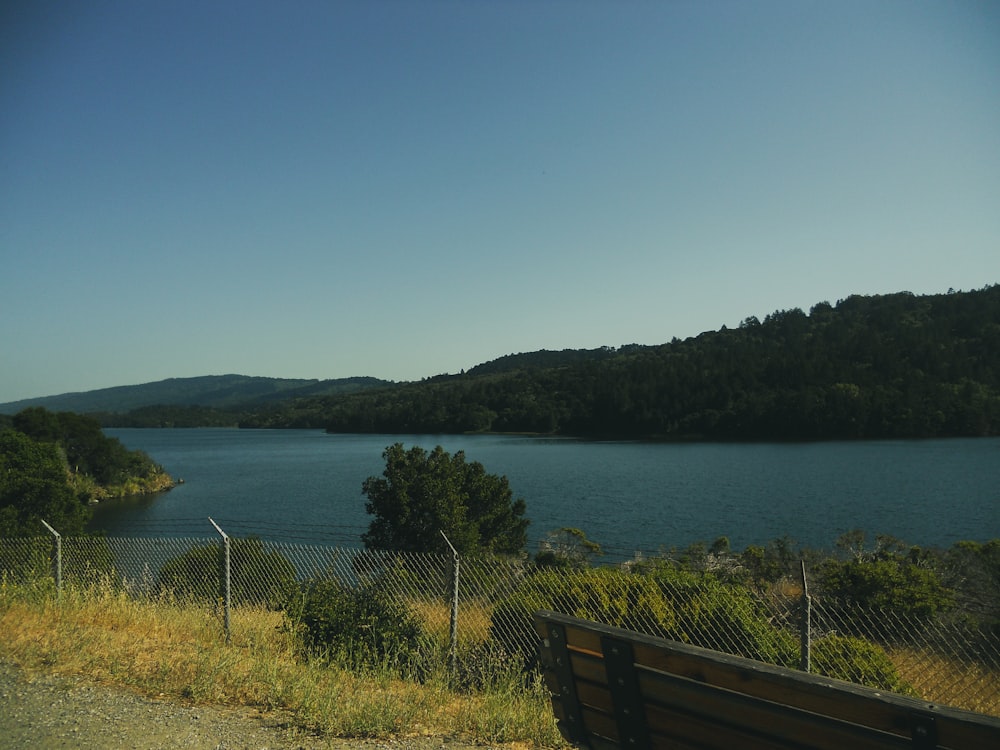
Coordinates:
<point>34,486</point>
<point>421,494</point>
<point>53,464</point>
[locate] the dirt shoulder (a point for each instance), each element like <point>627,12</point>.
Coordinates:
<point>45,711</point>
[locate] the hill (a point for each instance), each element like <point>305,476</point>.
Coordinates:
<point>882,366</point>
<point>212,392</point>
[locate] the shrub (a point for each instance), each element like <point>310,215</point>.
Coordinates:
<point>859,661</point>
<point>973,570</point>
<point>890,598</point>
<point>362,628</point>
<point>909,590</point>
<point>681,606</point>
<point>484,665</point>
<point>257,575</point>
<point>724,617</point>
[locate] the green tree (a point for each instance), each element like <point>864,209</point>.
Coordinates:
<point>421,494</point>
<point>567,548</point>
<point>888,577</point>
<point>98,466</point>
<point>39,424</point>
<point>972,569</point>
<point>34,486</point>
<point>888,366</point>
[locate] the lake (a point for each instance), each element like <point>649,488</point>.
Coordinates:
<point>305,485</point>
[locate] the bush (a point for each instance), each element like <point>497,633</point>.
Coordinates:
<point>724,617</point>
<point>681,606</point>
<point>858,661</point>
<point>858,597</point>
<point>361,628</point>
<point>257,575</point>
<point>567,548</point>
<point>909,590</point>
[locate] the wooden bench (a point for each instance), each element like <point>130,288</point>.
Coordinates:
<point>613,688</point>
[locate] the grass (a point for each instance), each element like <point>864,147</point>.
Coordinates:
<point>473,619</point>
<point>949,682</point>
<point>162,647</point>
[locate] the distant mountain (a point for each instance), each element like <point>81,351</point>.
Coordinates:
<point>210,391</point>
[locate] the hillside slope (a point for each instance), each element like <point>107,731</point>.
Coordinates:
<point>210,391</point>
<point>882,366</point>
<point>885,366</point>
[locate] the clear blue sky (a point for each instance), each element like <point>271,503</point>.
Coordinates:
<point>402,189</point>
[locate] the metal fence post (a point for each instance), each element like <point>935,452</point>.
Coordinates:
<point>453,654</point>
<point>226,591</point>
<point>806,624</point>
<point>57,558</point>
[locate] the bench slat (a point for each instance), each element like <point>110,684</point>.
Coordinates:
<point>776,723</point>
<point>675,704</point>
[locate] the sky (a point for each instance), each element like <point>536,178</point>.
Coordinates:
<point>405,189</point>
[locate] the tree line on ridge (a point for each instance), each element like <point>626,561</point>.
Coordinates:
<point>887,366</point>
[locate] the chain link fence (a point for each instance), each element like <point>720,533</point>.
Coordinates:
<point>471,605</point>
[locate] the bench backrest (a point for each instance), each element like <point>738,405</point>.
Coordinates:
<point>613,688</point>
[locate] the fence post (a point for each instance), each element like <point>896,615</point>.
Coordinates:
<point>226,592</point>
<point>57,558</point>
<point>453,654</point>
<point>806,624</point>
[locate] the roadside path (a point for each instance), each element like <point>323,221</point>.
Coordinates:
<point>41,711</point>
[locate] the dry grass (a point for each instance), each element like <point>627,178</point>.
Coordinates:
<point>161,647</point>
<point>435,615</point>
<point>949,682</point>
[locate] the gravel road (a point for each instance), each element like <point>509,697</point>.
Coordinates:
<point>45,711</point>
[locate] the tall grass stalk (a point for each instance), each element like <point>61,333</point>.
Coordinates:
<point>162,647</point>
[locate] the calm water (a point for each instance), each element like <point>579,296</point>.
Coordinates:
<point>306,485</point>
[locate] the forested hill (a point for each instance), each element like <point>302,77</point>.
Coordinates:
<point>209,397</point>
<point>895,365</point>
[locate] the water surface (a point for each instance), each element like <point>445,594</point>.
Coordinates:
<point>306,485</point>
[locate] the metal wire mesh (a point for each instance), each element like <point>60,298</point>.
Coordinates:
<point>947,659</point>
<point>27,559</point>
